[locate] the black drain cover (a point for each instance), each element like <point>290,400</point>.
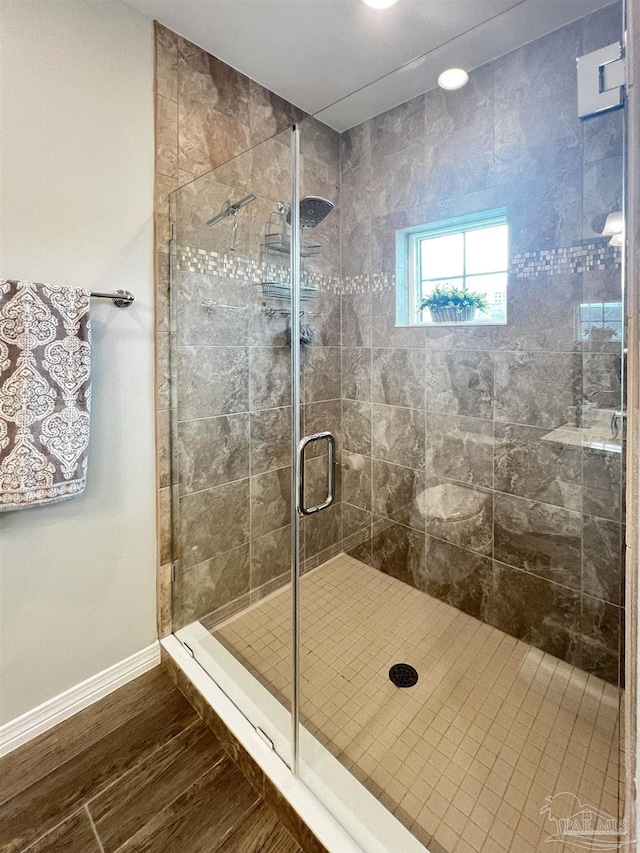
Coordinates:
<point>403,675</point>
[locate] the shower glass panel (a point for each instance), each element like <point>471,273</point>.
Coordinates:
<point>461,603</point>
<point>231,417</point>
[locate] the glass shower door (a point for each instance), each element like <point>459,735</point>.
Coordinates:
<point>231,430</point>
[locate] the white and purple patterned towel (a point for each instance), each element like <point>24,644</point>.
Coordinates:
<point>45,392</point>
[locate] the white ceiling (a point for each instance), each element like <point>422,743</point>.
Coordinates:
<point>316,52</point>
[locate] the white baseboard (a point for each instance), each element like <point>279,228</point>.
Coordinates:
<point>17,732</point>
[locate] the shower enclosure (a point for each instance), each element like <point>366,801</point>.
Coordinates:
<point>357,485</point>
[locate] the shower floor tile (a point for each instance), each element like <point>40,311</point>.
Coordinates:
<point>467,758</point>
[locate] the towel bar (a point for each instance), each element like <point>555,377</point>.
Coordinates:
<point>121,298</point>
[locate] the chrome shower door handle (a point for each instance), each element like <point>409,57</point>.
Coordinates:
<point>331,472</point>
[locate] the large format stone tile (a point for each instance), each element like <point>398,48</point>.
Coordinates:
<point>394,129</point>
<point>550,620</point>
<point>270,439</point>
<point>355,194</point>
<point>203,588</point>
<point>528,144</point>
<point>460,382</point>
<point>356,248</point>
<point>396,493</point>
<point>355,146</point>
<point>203,313</point>
<point>356,528</point>
<point>322,417</point>
<point>212,381</point>
<point>541,314</point>
<point>166,62</point>
<point>356,320</point>
<point>397,377</point>
<point>325,318</point>
<point>463,164</point>
<point>602,483</point>
<point>544,212</point>
<point>462,579</point>
<point>602,639</point>
<point>602,379</point>
<point>459,514</point>
<point>270,377</point>
<point>319,141</point>
<point>167,137</point>
<point>400,181</point>
<point>212,451</point>
<point>270,556</point>
<point>322,530</point>
<point>385,333</point>
<point>539,69</point>
<point>603,559</point>
<point>356,480</point>
<point>269,114</point>
<point>207,138</point>
<point>539,538</point>
<point>203,77</point>
<point>398,551</point>
<point>213,521</point>
<point>603,189</point>
<point>536,388</point>
<point>603,136</point>
<point>460,448</point>
<point>475,338</point>
<point>356,427</point>
<point>321,374</point>
<point>448,110</point>
<point>602,27</point>
<point>356,373</point>
<point>529,463</point>
<point>270,501</point>
<point>397,436</point>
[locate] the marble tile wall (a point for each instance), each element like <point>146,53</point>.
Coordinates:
<point>219,136</point>
<point>452,480</point>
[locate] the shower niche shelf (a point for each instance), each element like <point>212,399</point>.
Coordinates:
<point>279,243</point>
<point>280,290</point>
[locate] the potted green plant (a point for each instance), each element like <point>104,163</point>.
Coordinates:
<point>601,334</point>
<point>453,304</point>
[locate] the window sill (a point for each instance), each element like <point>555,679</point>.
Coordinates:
<point>472,324</point>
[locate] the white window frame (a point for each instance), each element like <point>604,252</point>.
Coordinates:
<point>408,280</point>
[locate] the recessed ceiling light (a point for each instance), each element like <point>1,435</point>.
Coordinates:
<point>453,78</point>
<point>379,4</point>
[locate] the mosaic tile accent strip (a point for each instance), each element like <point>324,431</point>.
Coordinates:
<point>188,259</point>
<point>590,257</point>
<point>369,283</point>
<point>468,757</point>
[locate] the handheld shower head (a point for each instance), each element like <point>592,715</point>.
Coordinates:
<point>313,209</point>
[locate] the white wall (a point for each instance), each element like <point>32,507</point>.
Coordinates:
<point>77,579</point>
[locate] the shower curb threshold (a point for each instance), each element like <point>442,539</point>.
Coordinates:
<point>327,829</point>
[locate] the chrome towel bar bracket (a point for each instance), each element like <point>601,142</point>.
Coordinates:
<point>120,298</point>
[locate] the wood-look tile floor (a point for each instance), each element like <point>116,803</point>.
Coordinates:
<point>137,771</point>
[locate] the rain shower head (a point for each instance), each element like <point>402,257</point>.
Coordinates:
<point>313,209</point>
<point>229,209</point>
